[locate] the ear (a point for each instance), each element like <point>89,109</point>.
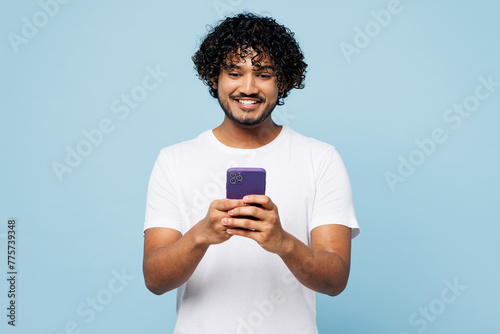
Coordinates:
<point>214,85</point>
<point>280,88</point>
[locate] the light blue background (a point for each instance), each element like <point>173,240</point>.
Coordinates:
<point>439,225</point>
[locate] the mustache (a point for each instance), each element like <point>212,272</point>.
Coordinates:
<point>251,96</point>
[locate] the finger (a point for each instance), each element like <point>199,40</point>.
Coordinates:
<point>227,204</point>
<point>242,232</point>
<point>262,200</point>
<point>241,223</point>
<point>249,210</point>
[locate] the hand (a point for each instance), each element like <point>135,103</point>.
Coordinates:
<point>210,230</point>
<point>265,228</point>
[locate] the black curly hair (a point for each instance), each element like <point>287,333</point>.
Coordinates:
<point>242,34</point>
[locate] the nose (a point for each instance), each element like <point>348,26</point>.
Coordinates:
<point>248,85</point>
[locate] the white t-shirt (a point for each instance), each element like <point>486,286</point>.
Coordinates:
<point>238,287</point>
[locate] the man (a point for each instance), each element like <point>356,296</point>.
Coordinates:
<point>242,266</point>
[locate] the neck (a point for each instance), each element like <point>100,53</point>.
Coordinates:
<point>237,136</point>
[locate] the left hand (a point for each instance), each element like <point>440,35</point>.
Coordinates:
<point>266,229</point>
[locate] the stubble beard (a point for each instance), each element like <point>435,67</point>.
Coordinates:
<point>245,121</point>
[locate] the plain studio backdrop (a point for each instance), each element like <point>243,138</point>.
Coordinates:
<point>407,91</point>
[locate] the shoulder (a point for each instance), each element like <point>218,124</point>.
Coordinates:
<point>310,144</point>
<point>185,147</point>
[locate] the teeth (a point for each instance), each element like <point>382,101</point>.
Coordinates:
<point>247,102</point>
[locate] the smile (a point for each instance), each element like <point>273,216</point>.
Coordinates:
<point>247,102</point>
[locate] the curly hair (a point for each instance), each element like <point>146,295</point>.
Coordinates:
<point>242,34</point>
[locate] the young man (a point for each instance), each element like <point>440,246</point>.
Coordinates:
<point>238,267</point>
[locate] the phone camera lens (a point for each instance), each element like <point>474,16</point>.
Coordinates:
<point>233,181</point>
<point>239,178</point>
<point>232,174</point>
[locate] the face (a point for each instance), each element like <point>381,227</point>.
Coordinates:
<point>247,93</point>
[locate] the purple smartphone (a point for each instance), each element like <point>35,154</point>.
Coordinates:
<point>242,181</point>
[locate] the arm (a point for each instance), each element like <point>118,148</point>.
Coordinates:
<point>165,264</point>
<point>170,259</point>
<point>323,267</point>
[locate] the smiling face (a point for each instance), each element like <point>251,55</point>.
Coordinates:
<point>247,92</point>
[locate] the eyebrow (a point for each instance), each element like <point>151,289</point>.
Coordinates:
<point>255,67</point>
<point>264,68</point>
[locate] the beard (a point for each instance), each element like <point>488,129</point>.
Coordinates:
<point>244,121</point>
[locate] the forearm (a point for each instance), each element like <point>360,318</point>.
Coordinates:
<point>168,267</point>
<point>319,270</point>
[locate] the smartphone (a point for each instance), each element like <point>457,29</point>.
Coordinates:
<point>242,181</point>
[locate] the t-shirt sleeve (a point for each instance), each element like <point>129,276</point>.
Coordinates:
<point>333,199</point>
<point>162,209</point>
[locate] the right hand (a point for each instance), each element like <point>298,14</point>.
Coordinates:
<point>210,230</point>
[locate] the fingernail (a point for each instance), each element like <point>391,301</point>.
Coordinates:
<point>224,221</point>
<point>230,212</point>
